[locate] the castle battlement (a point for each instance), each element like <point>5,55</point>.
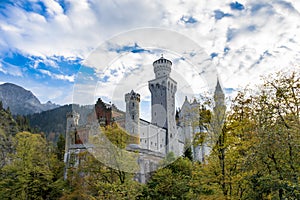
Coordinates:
<point>156,138</point>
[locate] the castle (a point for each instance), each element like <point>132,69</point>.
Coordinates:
<point>164,134</point>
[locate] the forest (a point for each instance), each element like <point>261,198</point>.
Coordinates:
<point>255,151</point>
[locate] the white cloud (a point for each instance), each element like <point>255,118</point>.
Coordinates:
<point>46,72</point>
<point>261,27</point>
<point>64,77</point>
<point>10,69</point>
<point>69,78</point>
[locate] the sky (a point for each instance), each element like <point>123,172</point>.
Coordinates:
<point>70,51</point>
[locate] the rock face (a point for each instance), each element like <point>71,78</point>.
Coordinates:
<point>21,101</point>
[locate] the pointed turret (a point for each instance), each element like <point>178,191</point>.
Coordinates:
<point>219,96</point>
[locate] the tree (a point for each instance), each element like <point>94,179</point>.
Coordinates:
<point>171,182</point>
<point>254,153</point>
<point>216,135</point>
<point>28,175</point>
<point>8,128</point>
<point>110,148</point>
<point>60,147</point>
<point>264,129</point>
<point>276,111</point>
<point>6,148</point>
<point>94,180</point>
<point>188,151</point>
<point>107,172</point>
<point>23,123</point>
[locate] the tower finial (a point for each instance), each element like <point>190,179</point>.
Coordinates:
<point>162,55</point>
<point>218,86</point>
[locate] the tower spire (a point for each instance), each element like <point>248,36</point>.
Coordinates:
<point>218,86</point>
<point>219,95</point>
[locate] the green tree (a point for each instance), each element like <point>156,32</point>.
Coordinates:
<point>171,182</point>
<point>6,148</point>
<point>262,133</point>
<point>275,112</point>
<point>60,147</point>
<point>28,175</point>
<point>105,174</point>
<point>8,128</point>
<point>94,180</point>
<point>188,151</point>
<point>23,123</point>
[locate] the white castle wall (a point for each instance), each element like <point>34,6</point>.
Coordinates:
<point>152,137</point>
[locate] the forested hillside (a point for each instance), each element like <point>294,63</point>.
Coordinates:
<point>53,122</point>
<point>255,150</point>
<point>7,124</point>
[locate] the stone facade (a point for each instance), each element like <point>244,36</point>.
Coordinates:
<point>156,138</point>
<point>163,134</point>
<point>132,116</point>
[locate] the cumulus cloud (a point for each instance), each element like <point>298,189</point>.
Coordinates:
<point>69,78</point>
<point>10,69</point>
<point>245,39</point>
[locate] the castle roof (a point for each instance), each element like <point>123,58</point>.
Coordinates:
<point>218,86</point>
<point>162,60</point>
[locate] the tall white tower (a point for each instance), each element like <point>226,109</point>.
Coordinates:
<point>163,89</point>
<point>132,118</point>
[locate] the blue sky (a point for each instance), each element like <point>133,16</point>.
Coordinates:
<point>44,43</point>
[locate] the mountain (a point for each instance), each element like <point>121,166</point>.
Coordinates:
<point>21,101</point>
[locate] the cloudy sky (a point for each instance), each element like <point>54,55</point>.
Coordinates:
<point>76,51</point>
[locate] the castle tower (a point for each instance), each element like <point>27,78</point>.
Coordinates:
<point>132,117</point>
<point>219,96</point>
<point>219,109</point>
<point>163,89</point>
<point>72,123</point>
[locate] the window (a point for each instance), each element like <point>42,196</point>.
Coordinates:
<point>132,104</point>
<point>132,117</point>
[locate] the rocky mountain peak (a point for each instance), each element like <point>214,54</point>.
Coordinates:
<point>21,101</point>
